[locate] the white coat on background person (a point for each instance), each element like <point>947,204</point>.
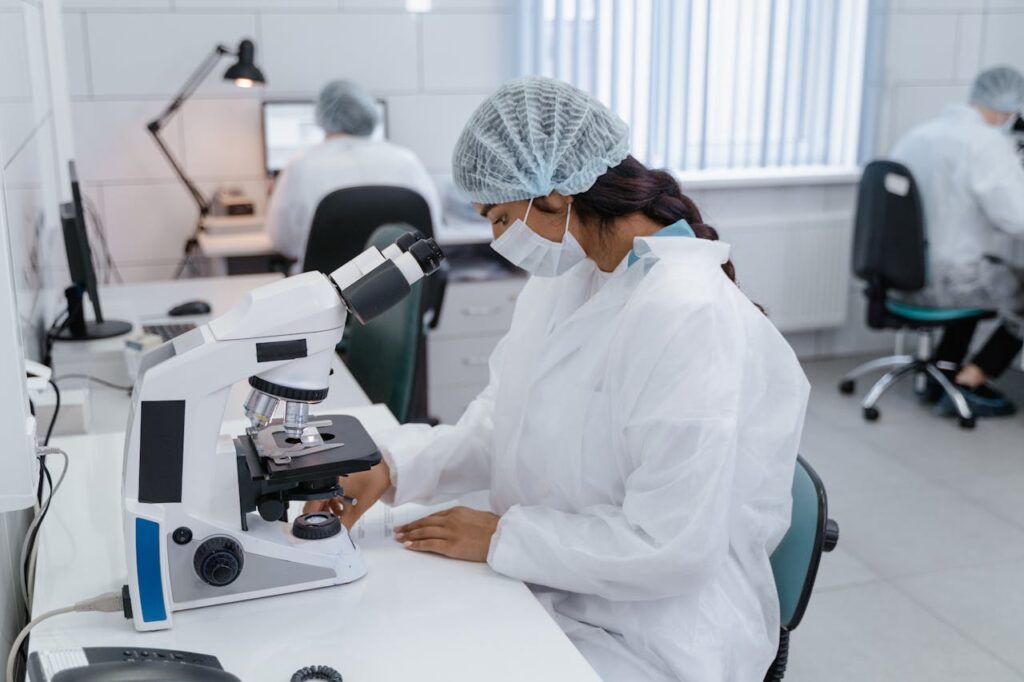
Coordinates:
<point>639,432</point>
<point>971,182</point>
<point>348,157</point>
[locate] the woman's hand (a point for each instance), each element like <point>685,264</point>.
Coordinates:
<point>459,533</point>
<point>366,487</point>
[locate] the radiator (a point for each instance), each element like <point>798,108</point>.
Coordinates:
<point>797,267</point>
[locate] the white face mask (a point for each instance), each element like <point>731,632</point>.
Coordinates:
<point>526,249</point>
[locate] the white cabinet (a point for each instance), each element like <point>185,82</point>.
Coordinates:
<point>475,315</point>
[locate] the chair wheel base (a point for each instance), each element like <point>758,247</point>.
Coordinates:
<point>871,414</point>
<point>847,386</point>
<point>967,422</point>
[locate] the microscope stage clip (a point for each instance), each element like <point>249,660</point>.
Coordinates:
<point>311,442</point>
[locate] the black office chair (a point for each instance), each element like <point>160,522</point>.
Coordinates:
<point>342,225</point>
<point>795,561</point>
<point>890,254</point>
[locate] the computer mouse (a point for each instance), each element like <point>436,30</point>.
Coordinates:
<point>190,308</point>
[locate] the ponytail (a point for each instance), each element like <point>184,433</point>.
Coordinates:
<point>631,188</point>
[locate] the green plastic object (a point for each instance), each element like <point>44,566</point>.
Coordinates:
<point>919,314</point>
<point>381,354</point>
<point>795,560</point>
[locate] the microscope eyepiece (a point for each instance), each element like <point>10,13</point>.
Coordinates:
<point>408,239</point>
<point>428,254</point>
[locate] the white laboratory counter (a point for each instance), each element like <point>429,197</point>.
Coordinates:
<point>413,617</point>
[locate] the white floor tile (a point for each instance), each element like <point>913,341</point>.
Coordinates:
<point>986,602</point>
<point>874,632</point>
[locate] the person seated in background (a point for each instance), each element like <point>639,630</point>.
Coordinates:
<point>971,182</point>
<point>347,157</point>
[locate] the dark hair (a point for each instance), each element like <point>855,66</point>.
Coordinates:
<point>632,187</point>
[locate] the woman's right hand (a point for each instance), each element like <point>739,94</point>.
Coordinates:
<point>366,487</point>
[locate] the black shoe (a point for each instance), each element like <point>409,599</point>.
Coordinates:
<point>933,391</point>
<point>984,401</point>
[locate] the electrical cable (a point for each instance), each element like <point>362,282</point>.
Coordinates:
<point>108,603</point>
<point>56,411</point>
<point>28,546</point>
<point>89,377</point>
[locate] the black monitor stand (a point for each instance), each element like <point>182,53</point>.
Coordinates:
<point>77,328</point>
<point>83,276</point>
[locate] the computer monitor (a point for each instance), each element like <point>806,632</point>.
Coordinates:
<point>83,275</point>
<point>290,127</point>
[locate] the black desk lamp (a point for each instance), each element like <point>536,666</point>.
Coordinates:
<point>245,74</point>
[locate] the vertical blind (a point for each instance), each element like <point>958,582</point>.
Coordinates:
<point>712,84</point>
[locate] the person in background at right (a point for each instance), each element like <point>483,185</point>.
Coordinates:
<point>971,181</point>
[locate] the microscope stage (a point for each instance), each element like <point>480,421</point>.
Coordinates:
<point>349,449</point>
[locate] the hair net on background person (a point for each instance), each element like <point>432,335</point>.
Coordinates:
<point>346,107</point>
<point>1000,88</point>
<point>534,136</point>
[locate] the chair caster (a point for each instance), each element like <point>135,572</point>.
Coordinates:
<point>967,422</point>
<point>871,414</point>
<point>847,386</point>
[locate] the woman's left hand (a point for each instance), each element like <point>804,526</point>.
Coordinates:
<point>459,533</point>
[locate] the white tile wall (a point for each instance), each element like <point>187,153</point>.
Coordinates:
<point>152,54</point>
<point>430,124</point>
<point>919,45</point>
<point>303,51</point>
<point>219,143</point>
<point>14,77</point>
<point>112,143</point>
<point>478,62</point>
<point>1004,39</point>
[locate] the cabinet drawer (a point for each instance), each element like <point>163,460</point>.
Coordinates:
<point>456,362</point>
<point>478,307</point>
<point>447,403</point>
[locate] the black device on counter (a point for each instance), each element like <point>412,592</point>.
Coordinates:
<point>130,664</point>
<point>83,275</point>
<point>190,308</point>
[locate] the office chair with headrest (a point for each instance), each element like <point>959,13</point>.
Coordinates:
<point>795,561</point>
<point>890,255</point>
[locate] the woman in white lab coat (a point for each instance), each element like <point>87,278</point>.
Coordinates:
<point>639,432</point>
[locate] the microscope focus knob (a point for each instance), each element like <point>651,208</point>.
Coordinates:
<point>218,561</point>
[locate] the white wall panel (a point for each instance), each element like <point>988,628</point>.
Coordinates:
<point>968,46</point>
<point>152,54</point>
<point>919,47</point>
<point>915,104</point>
<point>112,142</point>
<point>428,5</point>
<point>1004,40</point>
<point>464,52</point>
<point>430,124</point>
<point>939,5</point>
<point>149,5</point>
<point>15,82</point>
<point>77,54</point>
<point>221,138</point>
<point>148,222</point>
<point>244,5</point>
<point>304,51</point>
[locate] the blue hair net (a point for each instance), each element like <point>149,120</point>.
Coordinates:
<point>1000,88</point>
<point>346,107</point>
<point>534,136</point>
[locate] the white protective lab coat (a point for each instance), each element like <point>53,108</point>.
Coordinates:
<point>971,181</point>
<point>640,448</point>
<point>334,164</point>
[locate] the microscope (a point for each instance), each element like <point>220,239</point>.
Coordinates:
<point>206,515</point>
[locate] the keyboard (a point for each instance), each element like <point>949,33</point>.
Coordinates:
<point>169,330</point>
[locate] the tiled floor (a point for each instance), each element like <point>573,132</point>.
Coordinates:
<point>927,582</point>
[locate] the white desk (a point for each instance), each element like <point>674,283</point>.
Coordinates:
<point>219,247</point>
<point>413,617</point>
<point>143,303</point>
